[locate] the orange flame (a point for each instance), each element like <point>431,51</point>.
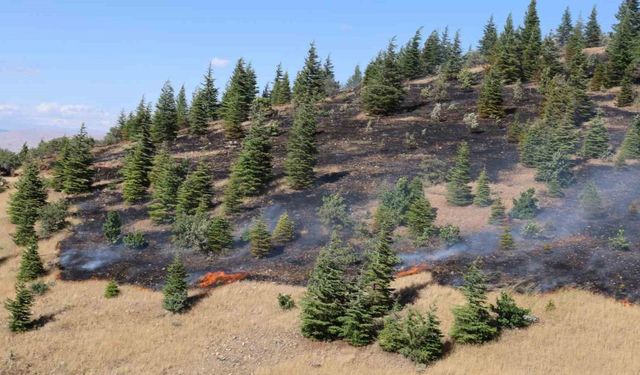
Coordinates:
<point>418,268</point>
<point>221,278</point>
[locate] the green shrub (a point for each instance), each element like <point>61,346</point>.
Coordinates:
<point>39,288</point>
<point>334,213</point>
<point>619,241</point>
<point>531,230</point>
<point>112,227</point>
<point>416,337</point>
<point>285,301</point>
<point>509,315</point>
<point>111,289</point>
<point>53,217</point>
<point>526,206</point>
<point>450,234</point>
<point>135,240</point>
<point>192,232</point>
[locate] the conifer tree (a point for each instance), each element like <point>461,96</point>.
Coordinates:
<point>597,81</point>
<point>309,83</point>
<point>630,148</point>
<point>556,170</point>
<point>20,309</point>
<point>112,227</point>
<point>260,238</point>
<point>379,274</point>
<point>281,92</point>
<point>78,175</point>
<point>58,170</point>
<point>482,196</point>
<point>383,93</point>
<point>550,65</point>
<point>285,229</point>
<point>331,86</point>
<point>410,61</point>
<point>625,96</point>
<point>420,217</point>
<point>424,338</point>
<point>252,169</point>
<point>182,109</point>
<point>301,148</point>
<point>506,240</point>
<point>563,136</point>
<point>498,214</point>
<point>326,298</point>
<point>473,323</point>
<point>219,234</point>
<point>431,53</point>
<point>111,290</point>
<point>175,288</point>
<point>165,118</point>
<point>195,193</point>
<point>358,328</point>
<point>489,38</point>
<point>235,104</point>
<point>355,80</point>
<point>565,28</point>
<point>198,117</point>
<point>453,64</point>
<point>620,47</point>
<point>137,165</point>
<point>531,39</point>
<point>590,201</point>
<point>592,32</point>
<point>209,95</point>
<point>30,264</point>
<point>507,61</point>
<point>577,81</point>
<point>232,197</point>
<point>510,315</point>
<point>165,184</point>
<point>458,190</point>
<point>525,206</point>
<point>26,202</point>
<point>490,99</point>
<point>596,140</point>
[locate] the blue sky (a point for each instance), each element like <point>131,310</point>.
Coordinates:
<point>64,62</point>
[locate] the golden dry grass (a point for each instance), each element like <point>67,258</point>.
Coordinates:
<point>239,329</point>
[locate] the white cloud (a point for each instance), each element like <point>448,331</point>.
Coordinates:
<point>6,108</point>
<point>219,62</point>
<point>63,109</point>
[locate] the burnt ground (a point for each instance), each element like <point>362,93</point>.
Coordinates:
<point>358,155</point>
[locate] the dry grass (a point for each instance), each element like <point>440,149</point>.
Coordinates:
<point>239,329</point>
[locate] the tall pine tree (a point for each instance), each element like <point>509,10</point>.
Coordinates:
<point>301,148</point>
<point>26,202</point>
<point>165,118</point>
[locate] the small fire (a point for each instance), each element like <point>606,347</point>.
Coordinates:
<point>413,270</point>
<point>625,302</point>
<point>220,278</point>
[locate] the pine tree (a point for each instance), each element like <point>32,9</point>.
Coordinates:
<point>556,170</point>
<point>260,239</point>
<point>30,264</point>
<point>483,192</point>
<point>237,99</point>
<point>137,165</point>
<point>219,234</point>
<point>358,327</point>
<point>525,206</point>
<point>58,169</point>
<point>531,39</point>
<point>383,93</point>
<point>167,177</point>
<point>198,117</point>
<point>431,53</point>
<point>506,240</point>
<point>630,148</point>
<point>379,274</point>
<point>355,80</point>
<point>232,197</point>
<point>326,298</point>
<point>565,28</point>
<point>563,136</point>
<point>20,309</point>
<point>423,338</point>
<point>509,315</point>
<point>165,118</point>
<point>498,214</point>
<point>490,99</point>
<point>473,323</point>
<point>420,217</point>
<point>597,81</point>
<point>507,60</point>
<point>625,96</point>
<point>78,175</point>
<point>281,92</point>
<point>301,148</point>
<point>592,32</point>
<point>620,47</point>
<point>252,169</point>
<point>175,288</point>
<point>182,109</point>
<point>26,202</point>
<point>209,95</point>
<point>410,61</point>
<point>590,201</point>
<point>112,227</point>
<point>309,83</point>
<point>458,190</point>
<point>111,290</point>
<point>285,229</point>
<point>331,86</point>
<point>489,39</point>
<point>577,81</point>
<point>453,64</point>
<point>596,140</point>
<point>195,193</point>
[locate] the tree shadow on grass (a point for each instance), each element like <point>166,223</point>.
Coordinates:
<point>408,295</point>
<point>194,299</point>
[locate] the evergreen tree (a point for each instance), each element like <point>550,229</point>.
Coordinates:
<point>111,290</point>
<point>379,274</point>
<point>358,327</point>
<point>525,206</point>
<point>198,117</point>
<point>625,96</point>
<point>420,217</point>
<point>175,288</point>
<point>112,227</point>
<point>490,99</point>
<point>509,315</point>
<point>620,48</point>
<point>309,83</point>
<point>592,32</point>
<point>577,61</point>
<point>26,202</point>
<point>232,197</point>
<point>165,184</point>
<point>531,39</point>
<point>563,136</point>
<point>30,264</point>
<point>483,192</point>
<point>137,165</point>
<point>220,237</point>
<point>285,229</point>
<point>596,140</point>
<point>78,175</point>
<point>195,193</point>
<point>556,170</point>
<point>383,93</point>
<point>331,86</point>
<point>165,118</point>
<point>235,104</point>
<point>301,148</point>
<point>326,298</point>
<point>507,60</point>
<point>458,190</point>
<point>473,323</point>
<point>630,148</point>
<point>20,309</point>
<point>355,80</point>
<point>550,65</point>
<point>410,61</point>
<point>597,81</point>
<point>489,38</point>
<point>209,95</point>
<point>565,28</point>
<point>498,214</point>
<point>260,239</point>
<point>182,109</point>
<point>424,338</point>
<point>58,169</point>
<point>506,240</point>
<point>252,169</point>
<point>590,201</point>
<point>431,53</point>
<point>281,92</point>
<point>454,61</point>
